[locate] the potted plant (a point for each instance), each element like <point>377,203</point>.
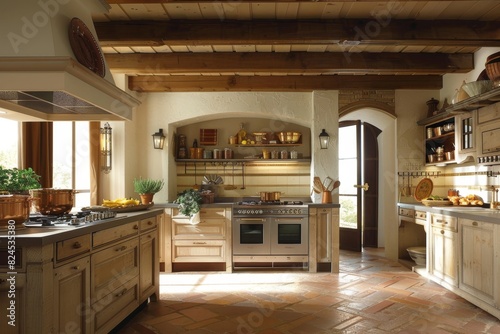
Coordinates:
<point>190,201</point>
<point>146,188</point>
<point>18,181</point>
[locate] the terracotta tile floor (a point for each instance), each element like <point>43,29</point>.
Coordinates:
<point>371,295</point>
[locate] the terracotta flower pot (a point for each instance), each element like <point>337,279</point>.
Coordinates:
<point>146,198</point>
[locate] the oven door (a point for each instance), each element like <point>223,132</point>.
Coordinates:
<point>251,236</point>
<point>289,236</point>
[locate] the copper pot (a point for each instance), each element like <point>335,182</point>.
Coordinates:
<point>14,207</point>
<point>270,196</point>
<point>48,201</point>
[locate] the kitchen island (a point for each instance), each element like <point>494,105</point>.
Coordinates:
<point>83,279</point>
<point>463,252</point>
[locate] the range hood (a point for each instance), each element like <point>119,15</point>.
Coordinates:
<point>40,78</point>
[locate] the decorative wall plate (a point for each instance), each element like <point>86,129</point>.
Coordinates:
<point>85,47</point>
<point>423,189</point>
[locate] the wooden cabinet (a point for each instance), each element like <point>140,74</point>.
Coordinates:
<point>71,297</point>
<point>324,239</point>
<point>206,242</point>
<point>443,258</point>
<point>440,134</point>
<point>477,260</point>
<point>82,280</point>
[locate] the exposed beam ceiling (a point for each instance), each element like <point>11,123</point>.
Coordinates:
<point>188,45</point>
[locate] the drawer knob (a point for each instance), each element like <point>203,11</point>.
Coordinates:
<point>121,293</point>
<point>442,232</point>
<point>150,222</point>
<point>75,267</point>
<point>136,227</point>
<point>77,245</point>
<point>475,224</point>
<point>2,281</point>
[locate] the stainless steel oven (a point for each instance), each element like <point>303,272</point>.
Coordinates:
<point>270,235</point>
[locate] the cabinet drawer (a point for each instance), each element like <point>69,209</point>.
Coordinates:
<point>147,224</point>
<point>115,233</point>
<point>198,251</point>
<point>71,247</point>
<point>421,215</point>
<point>444,222</point>
<point>204,213</point>
<point>407,212</point>
<point>112,266</point>
<point>206,229</point>
<point>121,301</point>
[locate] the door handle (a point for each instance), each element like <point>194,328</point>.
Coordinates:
<point>364,186</point>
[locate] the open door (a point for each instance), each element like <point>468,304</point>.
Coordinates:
<point>358,173</point>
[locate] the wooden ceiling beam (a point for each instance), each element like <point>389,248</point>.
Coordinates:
<point>292,83</point>
<point>346,33</point>
<point>293,62</point>
<point>248,1</point>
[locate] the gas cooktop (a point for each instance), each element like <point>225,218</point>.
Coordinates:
<point>68,220</point>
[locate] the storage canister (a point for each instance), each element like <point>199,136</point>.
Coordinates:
<point>217,153</point>
<point>207,154</point>
<point>228,153</point>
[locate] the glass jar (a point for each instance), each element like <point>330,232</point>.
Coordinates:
<point>284,154</point>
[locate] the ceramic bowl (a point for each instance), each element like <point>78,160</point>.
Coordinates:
<point>477,87</point>
<point>417,254</point>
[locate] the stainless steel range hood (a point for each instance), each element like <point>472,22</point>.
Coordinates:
<point>40,78</point>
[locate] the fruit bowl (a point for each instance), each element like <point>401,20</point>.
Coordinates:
<point>289,137</point>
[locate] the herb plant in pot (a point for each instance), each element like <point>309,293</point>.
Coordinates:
<point>18,181</point>
<point>146,188</point>
<point>190,201</point>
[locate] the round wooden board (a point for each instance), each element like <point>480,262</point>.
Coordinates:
<point>423,189</point>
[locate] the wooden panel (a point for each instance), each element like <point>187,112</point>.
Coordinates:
<point>115,233</point>
<point>149,276</point>
<point>71,247</point>
<point>147,224</point>
<point>198,251</point>
<point>207,229</point>
<point>112,266</point>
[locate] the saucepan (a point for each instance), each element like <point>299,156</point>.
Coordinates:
<point>270,196</point>
<point>49,201</point>
<point>14,207</point>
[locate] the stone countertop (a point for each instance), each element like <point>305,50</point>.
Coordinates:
<point>39,236</point>
<point>226,204</point>
<point>466,212</point>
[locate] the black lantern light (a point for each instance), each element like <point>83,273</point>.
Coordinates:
<point>324,139</point>
<point>159,140</point>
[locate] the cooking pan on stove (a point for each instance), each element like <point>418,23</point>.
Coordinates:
<point>270,196</point>
<point>49,201</point>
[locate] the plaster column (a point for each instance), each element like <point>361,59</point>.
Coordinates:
<point>325,116</point>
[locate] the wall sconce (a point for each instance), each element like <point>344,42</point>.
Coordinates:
<point>106,148</point>
<point>159,140</point>
<point>324,139</point>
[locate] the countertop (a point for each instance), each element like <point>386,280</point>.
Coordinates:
<point>467,212</point>
<point>39,236</point>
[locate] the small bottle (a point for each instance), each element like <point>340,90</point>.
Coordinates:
<point>242,134</point>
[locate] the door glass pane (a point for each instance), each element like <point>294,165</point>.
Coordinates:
<point>348,175</point>
<point>9,134</point>
<point>63,155</point>
<point>289,233</point>
<point>251,233</point>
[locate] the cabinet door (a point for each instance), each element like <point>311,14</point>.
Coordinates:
<point>149,265</point>
<point>72,296</point>
<point>443,258</point>
<point>113,266</point>
<point>16,295</point>
<point>477,259</point>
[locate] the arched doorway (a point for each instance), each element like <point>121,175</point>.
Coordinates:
<point>386,142</point>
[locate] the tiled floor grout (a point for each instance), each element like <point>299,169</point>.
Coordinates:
<point>371,295</point>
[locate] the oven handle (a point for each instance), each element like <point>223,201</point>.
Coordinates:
<point>288,219</point>
<point>252,219</point>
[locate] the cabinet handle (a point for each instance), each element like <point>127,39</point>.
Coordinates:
<point>136,227</point>
<point>77,245</point>
<point>75,267</point>
<point>442,221</point>
<point>121,293</point>
<point>199,243</point>
<point>150,222</point>
<point>442,232</point>
<point>475,224</point>
<point>122,248</point>
<point>2,281</point>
